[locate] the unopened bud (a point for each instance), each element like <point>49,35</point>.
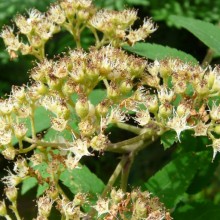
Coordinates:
<point>140,209</point>
<point>217,129</point>
<point>99,142</point>
<point>126,87</point>
<point>102,108</point>
<point>3,210</point>
<point>165,110</point>
<point>11,193</point>
<point>20,130</point>
<point>182,109</point>
<point>82,107</point>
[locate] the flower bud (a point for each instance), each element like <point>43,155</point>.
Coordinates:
<point>182,109</point>
<point>140,209</point>
<point>165,110</point>
<point>52,192</point>
<point>69,87</point>
<point>82,107</point>
<point>180,87</point>
<point>102,108</point>
<point>79,199</point>
<point>99,142</point>
<point>44,206</point>
<point>113,92</point>
<point>11,193</point>
<point>126,87</point>
<point>9,153</point>
<point>117,196</point>
<point>217,129</point>
<point>202,88</point>
<point>87,127</point>
<point>152,103</point>
<point>3,210</point>
<point>20,130</point>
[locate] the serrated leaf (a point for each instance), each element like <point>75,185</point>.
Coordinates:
<point>171,182</point>
<point>159,52</point>
<point>208,33</point>
<point>28,184</point>
<point>82,180</point>
<point>198,210</point>
<point>168,138</point>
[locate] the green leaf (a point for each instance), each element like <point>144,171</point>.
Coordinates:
<point>208,33</point>
<point>171,182</point>
<point>42,188</point>
<point>42,169</point>
<point>168,138</point>
<point>97,96</point>
<point>54,135</point>
<point>28,184</point>
<point>159,52</point>
<point>198,210</point>
<point>82,180</point>
<point>138,2</point>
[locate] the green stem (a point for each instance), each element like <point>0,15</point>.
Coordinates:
<point>15,210</point>
<point>126,170</point>
<point>33,131</point>
<point>8,217</point>
<point>208,58</point>
<point>114,176</point>
<point>95,35</point>
<point>131,128</point>
<point>132,144</point>
<point>20,143</point>
<point>28,149</point>
<point>46,144</point>
<point>110,183</point>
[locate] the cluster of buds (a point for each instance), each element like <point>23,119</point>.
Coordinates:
<point>74,16</point>
<point>68,209</point>
<point>133,205</point>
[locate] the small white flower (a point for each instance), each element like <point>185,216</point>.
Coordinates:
<point>116,116</point>
<point>143,117</point>
<point>11,180</point>
<point>201,129</point>
<point>165,95</point>
<point>58,124</point>
<point>102,206</point>
<point>79,149</point>
<point>44,204</point>
<point>215,112</point>
<point>178,123</point>
<point>5,137</point>
<point>216,148</point>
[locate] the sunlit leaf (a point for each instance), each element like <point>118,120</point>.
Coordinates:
<point>159,52</point>
<point>208,33</point>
